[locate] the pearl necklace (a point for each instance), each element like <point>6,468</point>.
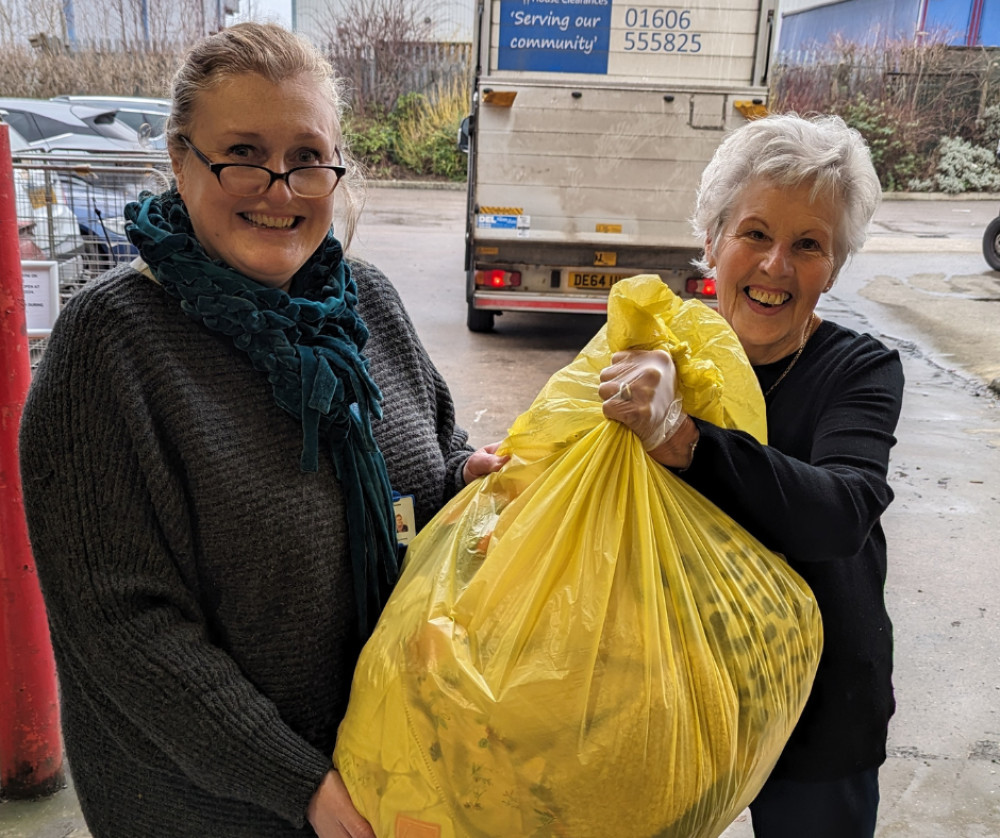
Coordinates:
<point>805,339</point>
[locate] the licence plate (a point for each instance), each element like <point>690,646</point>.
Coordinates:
<point>581,279</point>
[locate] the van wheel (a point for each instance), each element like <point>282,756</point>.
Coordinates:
<point>991,244</point>
<point>479,320</point>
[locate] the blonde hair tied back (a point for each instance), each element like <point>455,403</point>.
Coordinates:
<point>276,54</point>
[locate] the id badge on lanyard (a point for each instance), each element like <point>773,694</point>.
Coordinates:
<point>406,526</point>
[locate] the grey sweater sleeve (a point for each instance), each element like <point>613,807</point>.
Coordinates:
<point>424,448</point>
<point>110,531</point>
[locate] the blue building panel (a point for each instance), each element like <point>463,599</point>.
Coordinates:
<point>989,30</point>
<point>949,20</point>
<point>864,22</point>
<point>868,22</point>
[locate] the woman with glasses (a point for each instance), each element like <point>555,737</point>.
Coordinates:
<point>211,449</point>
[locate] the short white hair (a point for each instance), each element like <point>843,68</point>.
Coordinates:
<point>787,150</point>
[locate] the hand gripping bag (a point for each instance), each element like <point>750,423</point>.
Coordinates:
<point>581,646</point>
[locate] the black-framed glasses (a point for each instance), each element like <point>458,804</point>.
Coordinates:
<point>244,180</point>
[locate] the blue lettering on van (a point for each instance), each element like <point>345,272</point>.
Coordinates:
<point>537,35</point>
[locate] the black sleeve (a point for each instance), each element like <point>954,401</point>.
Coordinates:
<point>816,490</point>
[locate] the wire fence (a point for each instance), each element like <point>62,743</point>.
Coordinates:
<point>70,213</point>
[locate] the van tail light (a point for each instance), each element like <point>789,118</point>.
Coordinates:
<point>700,286</point>
<point>497,278</point>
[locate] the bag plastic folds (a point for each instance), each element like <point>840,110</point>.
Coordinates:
<point>580,645</point>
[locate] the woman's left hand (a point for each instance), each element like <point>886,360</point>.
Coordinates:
<point>639,390</point>
<point>482,462</point>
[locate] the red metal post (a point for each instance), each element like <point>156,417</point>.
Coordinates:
<point>31,763</point>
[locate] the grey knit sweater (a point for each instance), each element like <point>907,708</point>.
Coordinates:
<point>198,584</point>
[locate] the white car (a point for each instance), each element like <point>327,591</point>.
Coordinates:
<point>147,117</point>
<point>70,125</point>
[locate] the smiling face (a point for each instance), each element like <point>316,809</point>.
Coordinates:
<point>774,259</point>
<point>247,119</point>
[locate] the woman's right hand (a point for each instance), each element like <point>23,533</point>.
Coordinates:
<point>332,814</point>
<point>484,461</point>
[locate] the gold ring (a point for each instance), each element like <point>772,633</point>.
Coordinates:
<point>624,392</point>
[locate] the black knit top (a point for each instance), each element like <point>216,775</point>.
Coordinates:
<point>197,581</point>
<point>816,493</point>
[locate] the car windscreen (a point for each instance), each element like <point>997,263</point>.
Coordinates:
<point>22,124</point>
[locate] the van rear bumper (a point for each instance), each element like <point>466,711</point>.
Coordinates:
<point>558,303</point>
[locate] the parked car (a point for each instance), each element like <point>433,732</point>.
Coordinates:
<point>147,117</point>
<point>99,212</point>
<point>991,238</point>
<point>70,125</point>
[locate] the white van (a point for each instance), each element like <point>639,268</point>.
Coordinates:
<point>590,125</point>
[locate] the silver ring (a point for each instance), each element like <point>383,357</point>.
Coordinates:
<point>624,392</point>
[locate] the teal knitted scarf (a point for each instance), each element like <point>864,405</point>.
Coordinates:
<point>308,343</point>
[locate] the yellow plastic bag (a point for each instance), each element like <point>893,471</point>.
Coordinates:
<point>580,645</point>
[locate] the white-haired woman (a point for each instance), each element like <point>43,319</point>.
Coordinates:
<point>781,207</point>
